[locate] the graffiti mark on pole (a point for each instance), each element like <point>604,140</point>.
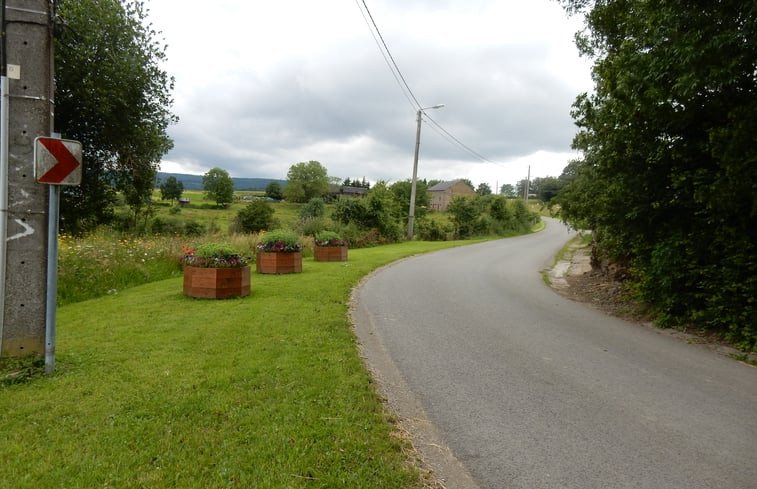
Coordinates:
<point>28,231</point>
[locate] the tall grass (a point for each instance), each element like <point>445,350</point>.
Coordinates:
<point>104,263</point>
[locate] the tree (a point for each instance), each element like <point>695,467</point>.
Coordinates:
<point>668,138</point>
<point>218,186</point>
<point>273,191</point>
<point>520,187</point>
<point>467,182</point>
<point>255,217</point>
<point>306,181</point>
<point>463,212</point>
<point>401,191</point>
<point>545,188</point>
<point>508,190</point>
<point>171,189</point>
<point>484,189</point>
<point>111,95</point>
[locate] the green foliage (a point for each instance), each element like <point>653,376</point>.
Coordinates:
<point>484,189</point>
<point>463,214</point>
<point>329,238</point>
<point>315,207</point>
<point>171,189</point>
<point>348,210</point>
<point>306,181</point>
<point>257,216</point>
<point>402,191</point>
<point>378,211</point>
<point>507,190</point>
<point>546,188</point>
<point>670,160</point>
<point>433,230</point>
<point>382,213</point>
<point>310,226</point>
<point>218,186</point>
<point>273,191</point>
<point>111,95</point>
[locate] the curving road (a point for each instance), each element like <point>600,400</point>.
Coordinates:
<point>531,390</point>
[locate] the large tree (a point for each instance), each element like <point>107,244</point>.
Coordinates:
<point>306,181</point>
<point>171,189</point>
<point>218,186</point>
<point>669,139</point>
<point>113,96</point>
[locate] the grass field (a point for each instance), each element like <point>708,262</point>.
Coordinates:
<point>156,390</point>
<point>205,211</point>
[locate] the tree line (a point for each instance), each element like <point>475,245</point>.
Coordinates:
<point>667,180</point>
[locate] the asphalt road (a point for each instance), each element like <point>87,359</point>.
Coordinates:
<point>531,390</point>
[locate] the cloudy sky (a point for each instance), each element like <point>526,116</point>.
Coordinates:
<point>262,85</point>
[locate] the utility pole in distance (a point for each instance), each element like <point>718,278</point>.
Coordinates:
<point>27,99</point>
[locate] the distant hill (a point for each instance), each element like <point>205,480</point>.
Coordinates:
<point>194,182</point>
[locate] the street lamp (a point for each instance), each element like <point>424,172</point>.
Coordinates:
<point>411,214</point>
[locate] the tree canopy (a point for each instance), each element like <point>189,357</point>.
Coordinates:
<point>306,181</point>
<point>171,189</point>
<point>668,177</point>
<point>218,186</point>
<point>113,96</point>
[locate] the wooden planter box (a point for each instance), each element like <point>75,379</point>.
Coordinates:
<point>216,283</point>
<point>286,262</point>
<point>330,253</point>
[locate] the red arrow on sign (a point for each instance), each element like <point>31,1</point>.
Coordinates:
<point>66,162</point>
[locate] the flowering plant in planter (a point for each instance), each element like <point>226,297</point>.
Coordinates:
<point>280,241</point>
<point>213,255</point>
<point>329,238</point>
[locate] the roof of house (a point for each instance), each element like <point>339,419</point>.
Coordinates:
<point>442,186</point>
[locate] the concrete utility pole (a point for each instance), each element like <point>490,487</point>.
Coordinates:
<point>414,182</point>
<point>28,56</point>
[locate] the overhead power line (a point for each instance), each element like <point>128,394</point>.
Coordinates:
<point>406,91</point>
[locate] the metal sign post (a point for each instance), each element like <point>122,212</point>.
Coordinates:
<point>56,162</point>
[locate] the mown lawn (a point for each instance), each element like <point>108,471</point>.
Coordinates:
<point>153,389</point>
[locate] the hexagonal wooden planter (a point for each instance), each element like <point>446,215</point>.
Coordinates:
<point>330,253</point>
<point>216,283</point>
<point>278,262</point>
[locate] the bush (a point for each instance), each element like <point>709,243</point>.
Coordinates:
<point>315,207</point>
<point>432,230</point>
<point>255,217</point>
<point>193,228</point>
<point>311,226</point>
<point>165,226</point>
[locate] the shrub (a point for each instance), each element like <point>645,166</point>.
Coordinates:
<point>311,226</point>
<point>433,230</point>
<point>256,216</point>
<point>194,228</point>
<point>315,207</point>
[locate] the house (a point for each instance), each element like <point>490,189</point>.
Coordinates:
<point>337,191</point>
<point>442,193</point>
<point>183,201</point>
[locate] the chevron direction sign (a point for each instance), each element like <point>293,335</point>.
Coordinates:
<point>57,161</point>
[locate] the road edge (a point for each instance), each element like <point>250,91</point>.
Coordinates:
<point>435,458</point>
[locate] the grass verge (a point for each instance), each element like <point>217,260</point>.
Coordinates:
<point>154,389</point>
